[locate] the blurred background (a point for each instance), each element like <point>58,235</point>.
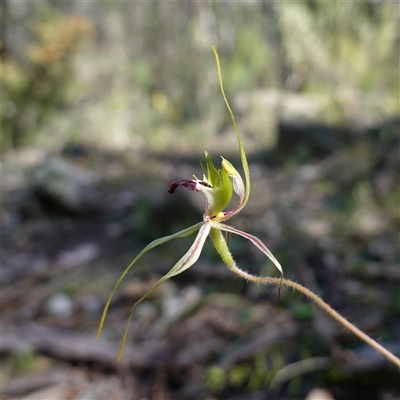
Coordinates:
<point>104,104</point>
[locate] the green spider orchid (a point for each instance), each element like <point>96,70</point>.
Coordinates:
<point>218,187</point>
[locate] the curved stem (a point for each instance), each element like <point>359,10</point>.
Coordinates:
<point>312,296</point>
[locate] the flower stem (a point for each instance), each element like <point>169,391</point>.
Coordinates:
<point>313,297</point>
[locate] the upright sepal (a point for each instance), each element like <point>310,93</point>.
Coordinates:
<point>239,138</point>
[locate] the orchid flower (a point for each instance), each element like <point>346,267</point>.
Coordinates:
<point>218,187</point>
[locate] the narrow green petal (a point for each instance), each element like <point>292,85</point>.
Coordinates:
<point>241,148</point>
<point>255,240</point>
<point>191,256</point>
<point>155,243</point>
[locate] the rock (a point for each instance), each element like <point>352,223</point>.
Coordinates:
<point>62,187</point>
<point>175,306</point>
<point>81,254</point>
<point>319,394</point>
<point>306,139</point>
<point>59,305</point>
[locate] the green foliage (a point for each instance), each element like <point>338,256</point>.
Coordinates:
<point>302,310</point>
<point>345,43</point>
<point>37,87</point>
<point>256,375</point>
<point>148,68</point>
<point>248,68</point>
<point>215,378</point>
<point>24,361</point>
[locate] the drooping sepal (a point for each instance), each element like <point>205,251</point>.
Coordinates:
<point>191,256</point>
<point>154,243</point>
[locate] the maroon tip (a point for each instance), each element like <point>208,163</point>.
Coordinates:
<point>187,183</point>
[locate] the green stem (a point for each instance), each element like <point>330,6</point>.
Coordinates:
<point>317,300</point>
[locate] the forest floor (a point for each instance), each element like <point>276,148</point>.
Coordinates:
<point>71,223</point>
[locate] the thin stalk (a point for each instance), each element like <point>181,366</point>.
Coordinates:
<point>313,297</point>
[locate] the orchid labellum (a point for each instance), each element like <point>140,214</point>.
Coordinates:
<point>218,187</point>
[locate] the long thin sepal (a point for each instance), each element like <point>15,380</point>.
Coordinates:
<point>155,243</point>
<point>255,240</point>
<point>239,137</point>
<point>191,256</point>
